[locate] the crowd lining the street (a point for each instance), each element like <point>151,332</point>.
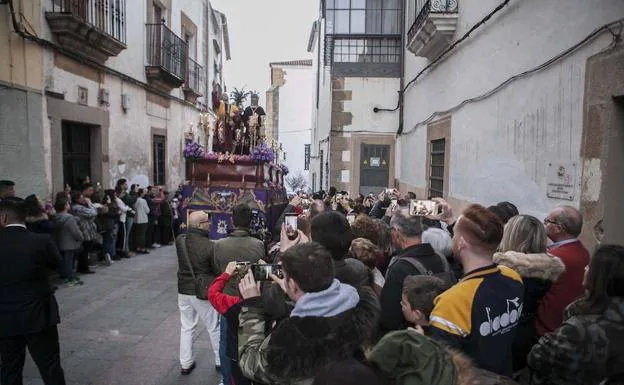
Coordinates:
<point>362,291</point>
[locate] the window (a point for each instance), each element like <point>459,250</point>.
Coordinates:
<point>306,159</point>
<point>313,182</point>
<point>436,168</point>
<point>363,17</point>
<point>158,153</point>
<point>374,50</point>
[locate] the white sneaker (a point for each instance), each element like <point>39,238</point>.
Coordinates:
<point>156,245</point>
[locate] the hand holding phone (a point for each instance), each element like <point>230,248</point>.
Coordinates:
<point>263,272</point>
<point>423,208</point>
<point>290,221</point>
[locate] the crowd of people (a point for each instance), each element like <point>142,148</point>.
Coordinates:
<point>361,292</point>
<point>370,294</point>
<point>65,237</point>
<point>92,226</point>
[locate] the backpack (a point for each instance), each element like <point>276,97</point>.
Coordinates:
<point>447,275</point>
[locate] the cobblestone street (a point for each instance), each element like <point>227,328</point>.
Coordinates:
<point>123,327</point>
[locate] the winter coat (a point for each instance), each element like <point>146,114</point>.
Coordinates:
<point>200,249</point>
<point>142,211</point>
<point>391,315</point>
<point>300,347</point>
<point>238,247</point>
<point>538,272</point>
<point>86,220</point>
<point>40,225</point>
<point>586,349</point>
<point>67,234</point>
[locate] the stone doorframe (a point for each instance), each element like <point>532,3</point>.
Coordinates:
<point>602,148</point>
<point>60,110</point>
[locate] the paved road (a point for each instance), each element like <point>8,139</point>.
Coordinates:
<point>123,327</point>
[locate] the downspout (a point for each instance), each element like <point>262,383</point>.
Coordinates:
<point>402,78</point>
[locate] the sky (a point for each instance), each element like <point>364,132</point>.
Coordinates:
<point>261,32</point>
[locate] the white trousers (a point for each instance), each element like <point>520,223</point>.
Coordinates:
<point>192,310</point>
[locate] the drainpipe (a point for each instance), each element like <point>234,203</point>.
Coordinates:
<point>402,78</point>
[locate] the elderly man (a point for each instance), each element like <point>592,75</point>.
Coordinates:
<point>195,248</point>
<point>414,258</point>
<point>563,226</point>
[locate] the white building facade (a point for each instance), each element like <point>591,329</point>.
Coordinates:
<point>527,109</point>
<point>289,110</point>
<point>120,88</point>
<point>357,66</point>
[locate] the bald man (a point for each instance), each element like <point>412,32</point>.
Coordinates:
<point>563,226</point>
<point>197,248</point>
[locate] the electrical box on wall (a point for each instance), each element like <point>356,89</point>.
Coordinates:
<point>104,96</point>
<point>125,102</point>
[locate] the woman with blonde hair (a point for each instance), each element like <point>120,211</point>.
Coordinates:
<point>523,249</point>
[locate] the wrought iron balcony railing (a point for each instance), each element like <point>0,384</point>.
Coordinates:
<point>108,16</point>
<point>193,79</point>
<point>422,10</point>
<point>166,50</point>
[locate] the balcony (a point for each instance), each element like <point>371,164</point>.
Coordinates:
<point>193,81</point>
<point>166,58</point>
<point>433,26</point>
<point>95,29</point>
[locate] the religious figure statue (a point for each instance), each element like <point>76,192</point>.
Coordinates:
<point>253,119</point>
<point>228,121</point>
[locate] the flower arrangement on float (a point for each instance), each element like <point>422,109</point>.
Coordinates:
<point>261,154</point>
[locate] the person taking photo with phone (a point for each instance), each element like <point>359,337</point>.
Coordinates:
<point>331,321</point>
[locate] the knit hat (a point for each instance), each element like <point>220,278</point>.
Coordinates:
<point>410,358</point>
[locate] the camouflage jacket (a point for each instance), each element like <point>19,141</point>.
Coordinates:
<point>300,346</point>
<point>586,349</point>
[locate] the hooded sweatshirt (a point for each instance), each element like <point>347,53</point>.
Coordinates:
<point>67,234</point>
<point>336,299</point>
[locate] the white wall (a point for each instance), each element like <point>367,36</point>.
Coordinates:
<point>501,146</point>
<point>368,93</point>
<point>295,115</point>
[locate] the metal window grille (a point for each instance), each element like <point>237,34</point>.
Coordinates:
<point>167,50</point>
<point>194,76</point>
<point>109,16</point>
<point>371,17</point>
<point>367,50</point>
<point>436,168</point>
<point>158,152</point>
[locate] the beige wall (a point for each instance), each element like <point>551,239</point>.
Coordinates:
<point>22,66</point>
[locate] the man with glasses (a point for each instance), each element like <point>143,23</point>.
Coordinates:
<point>563,226</point>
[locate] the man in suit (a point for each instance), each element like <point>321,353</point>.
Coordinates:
<point>28,310</point>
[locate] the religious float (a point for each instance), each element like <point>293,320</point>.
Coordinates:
<point>242,166</point>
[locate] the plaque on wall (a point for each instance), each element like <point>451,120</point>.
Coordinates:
<point>375,162</point>
<point>562,180</point>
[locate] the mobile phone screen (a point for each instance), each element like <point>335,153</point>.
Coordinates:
<point>290,221</point>
<point>423,208</point>
<point>263,272</point>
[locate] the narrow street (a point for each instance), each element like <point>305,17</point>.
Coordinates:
<point>123,327</point>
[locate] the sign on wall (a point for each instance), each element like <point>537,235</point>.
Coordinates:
<point>562,180</point>
<point>306,165</point>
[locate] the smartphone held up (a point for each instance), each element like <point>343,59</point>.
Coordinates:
<point>423,208</point>
<point>263,272</point>
<point>290,222</point>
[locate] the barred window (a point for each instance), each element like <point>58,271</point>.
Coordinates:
<point>436,168</point>
<point>367,17</point>
<point>371,50</point>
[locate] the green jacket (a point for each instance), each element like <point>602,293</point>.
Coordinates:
<point>238,247</point>
<point>299,347</point>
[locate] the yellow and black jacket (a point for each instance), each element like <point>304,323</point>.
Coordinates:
<point>479,316</point>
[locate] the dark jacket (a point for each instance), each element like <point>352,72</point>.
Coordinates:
<point>586,349</point>
<point>27,303</point>
<point>151,216</point>
<point>538,272</point>
<point>391,314</point>
<point>301,346</point>
<point>40,225</point>
<point>200,250</point>
<point>67,234</point>
<point>378,211</point>
<point>238,247</point>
